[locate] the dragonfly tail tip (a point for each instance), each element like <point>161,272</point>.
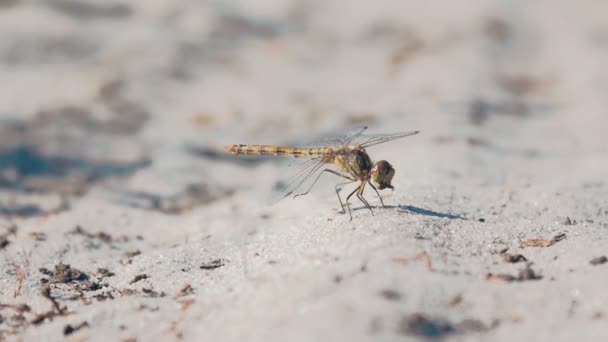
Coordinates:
<point>230,148</point>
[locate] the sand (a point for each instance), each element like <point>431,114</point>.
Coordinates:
<point>122,217</point>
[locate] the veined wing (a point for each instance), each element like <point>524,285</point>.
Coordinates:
<point>368,140</point>
<point>351,135</point>
<point>336,140</point>
<point>300,175</point>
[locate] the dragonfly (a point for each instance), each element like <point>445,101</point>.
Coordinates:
<point>344,156</point>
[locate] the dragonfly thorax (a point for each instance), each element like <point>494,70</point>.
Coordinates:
<point>356,162</point>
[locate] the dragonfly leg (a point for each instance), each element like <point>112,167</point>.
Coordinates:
<point>338,188</point>
<point>348,205</point>
<point>377,193</point>
<point>317,179</point>
<point>362,199</point>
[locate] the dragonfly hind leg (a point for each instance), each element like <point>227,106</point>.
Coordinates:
<point>338,188</point>
<point>317,179</point>
<point>348,205</point>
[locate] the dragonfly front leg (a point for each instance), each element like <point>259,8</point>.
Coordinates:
<point>377,193</point>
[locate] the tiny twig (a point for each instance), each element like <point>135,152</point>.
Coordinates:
<point>422,255</point>
<point>21,272</point>
<point>46,293</point>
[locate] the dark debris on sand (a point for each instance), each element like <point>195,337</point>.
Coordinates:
<point>422,326</point>
<point>525,274</point>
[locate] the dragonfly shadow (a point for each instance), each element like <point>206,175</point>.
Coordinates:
<point>414,210</point>
<point>426,212</point>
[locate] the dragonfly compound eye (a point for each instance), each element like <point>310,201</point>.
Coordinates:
<point>382,174</point>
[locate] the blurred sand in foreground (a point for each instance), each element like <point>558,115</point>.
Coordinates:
<point>122,217</point>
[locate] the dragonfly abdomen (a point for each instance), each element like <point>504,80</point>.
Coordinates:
<point>269,150</point>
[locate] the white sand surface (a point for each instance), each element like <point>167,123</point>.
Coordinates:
<point>113,118</point>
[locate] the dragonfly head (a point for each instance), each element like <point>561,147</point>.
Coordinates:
<point>382,174</point>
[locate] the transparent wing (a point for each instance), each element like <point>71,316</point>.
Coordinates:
<point>336,140</point>
<point>352,135</point>
<point>368,140</point>
<point>302,174</point>
<point>299,177</point>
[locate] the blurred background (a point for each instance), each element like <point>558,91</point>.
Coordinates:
<point>114,115</point>
<point>150,91</point>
